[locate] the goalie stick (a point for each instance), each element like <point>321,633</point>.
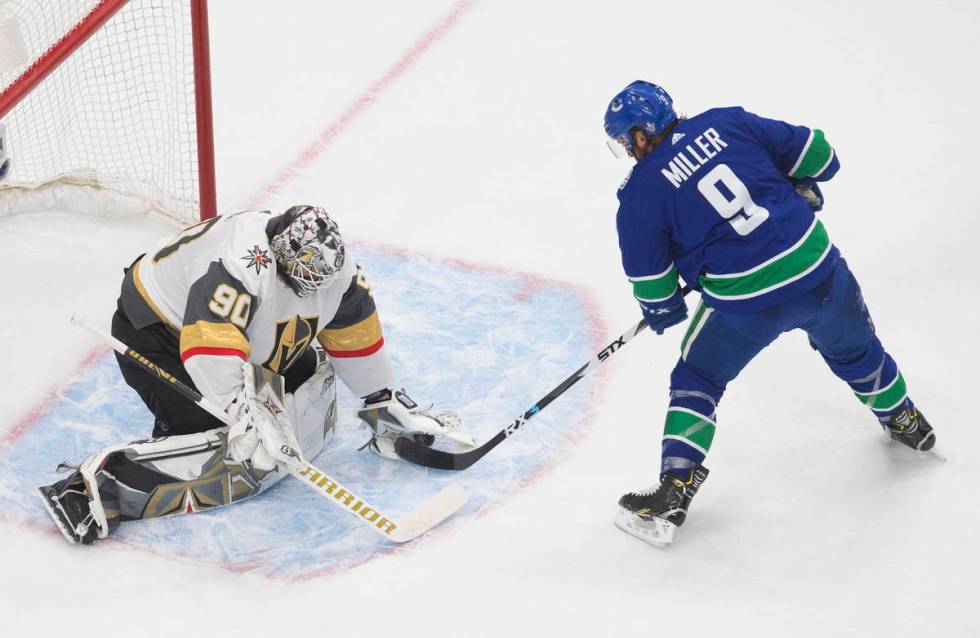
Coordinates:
<point>413,452</point>
<point>425,517</point>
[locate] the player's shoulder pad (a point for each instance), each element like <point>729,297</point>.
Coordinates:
<point>212,297</point>
<point>722,114</point>
<point>357,303</point>
<point>247,256</point>
<point>735,117</point>
<point>632,192</point>
<point>625,181</point>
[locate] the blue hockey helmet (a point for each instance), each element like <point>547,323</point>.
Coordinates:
<point>640,105</point>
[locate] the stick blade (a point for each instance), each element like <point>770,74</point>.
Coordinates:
<point>425,456</point>
<point>430,513</point>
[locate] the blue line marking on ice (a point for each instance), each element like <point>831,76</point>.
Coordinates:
<point>459,337</point>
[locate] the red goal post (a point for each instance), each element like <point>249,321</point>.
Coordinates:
<point>107,105</point>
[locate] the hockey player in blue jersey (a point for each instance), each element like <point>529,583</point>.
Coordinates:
<point>725,200</point>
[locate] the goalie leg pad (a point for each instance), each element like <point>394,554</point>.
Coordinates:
<point>156,477</point>
<point>312,408</point>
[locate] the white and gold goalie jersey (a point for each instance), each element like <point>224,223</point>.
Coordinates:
<point>216,285</point>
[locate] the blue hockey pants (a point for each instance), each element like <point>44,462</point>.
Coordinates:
<point>718,345</point>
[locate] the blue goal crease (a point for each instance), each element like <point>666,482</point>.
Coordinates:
<point>459,337</point>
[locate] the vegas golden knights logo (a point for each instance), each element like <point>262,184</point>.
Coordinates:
<point>293,337</point>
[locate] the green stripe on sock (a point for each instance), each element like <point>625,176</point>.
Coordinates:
<point>657,288</point>
<point>787,267</point>
<point>690,426</point>
<point>886,398</point>
<point>816,156</point>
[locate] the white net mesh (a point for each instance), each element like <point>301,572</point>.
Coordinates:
<point>117,117</point>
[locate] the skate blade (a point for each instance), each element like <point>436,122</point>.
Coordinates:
<point>54,517</point>
<point>886,439</point>
<point>656,531</point>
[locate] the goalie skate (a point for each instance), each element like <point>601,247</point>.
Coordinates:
<point>68,505</point>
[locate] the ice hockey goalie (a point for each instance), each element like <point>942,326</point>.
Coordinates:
<point>224,299</point>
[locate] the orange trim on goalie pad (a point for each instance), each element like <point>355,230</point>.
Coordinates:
<point>205,337</point>
<point>361,339</point>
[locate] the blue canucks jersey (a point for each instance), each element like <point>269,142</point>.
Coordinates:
<point>714,204</point>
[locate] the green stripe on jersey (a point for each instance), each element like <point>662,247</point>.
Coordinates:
<point>690,427</point>
<point>886,398</point>
<point>793,263</point>
<point>657,287</point>
<point>815,156</point>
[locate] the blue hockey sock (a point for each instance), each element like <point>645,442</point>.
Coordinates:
<point>689,426</point>
<point>883,391</point>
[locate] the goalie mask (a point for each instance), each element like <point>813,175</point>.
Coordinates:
<point>308,249</point>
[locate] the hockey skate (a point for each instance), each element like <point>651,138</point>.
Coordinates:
<point>68,504</point>
<point>653,514</point>
<point>909,427</point>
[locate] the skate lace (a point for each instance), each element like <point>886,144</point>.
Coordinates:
<point>65,492</point>
<point>83,526</point>
<point>649,491</point>
<point>369,443</point>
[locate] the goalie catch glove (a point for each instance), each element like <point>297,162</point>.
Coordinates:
<point>262,433</point>
<point>390,415</point>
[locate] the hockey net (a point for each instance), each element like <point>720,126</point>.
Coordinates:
<point>106,105</point>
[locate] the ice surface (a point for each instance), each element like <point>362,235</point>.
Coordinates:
<point>466,338</point>
<point>488,148</point>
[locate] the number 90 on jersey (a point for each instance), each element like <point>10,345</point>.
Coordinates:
<point>231,305</point>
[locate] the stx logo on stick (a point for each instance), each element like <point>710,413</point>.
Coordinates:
<point>347,499</point>
<point>611,348</point>
<point>514,426</point>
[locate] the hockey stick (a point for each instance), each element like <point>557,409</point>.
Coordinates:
<point>428,515</point>
<point>413,452</point>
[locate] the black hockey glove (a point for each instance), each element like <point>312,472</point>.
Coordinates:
<point>810,191</point>
<point>664,314</point>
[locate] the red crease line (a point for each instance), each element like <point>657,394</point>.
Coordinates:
<point>360,104</point>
